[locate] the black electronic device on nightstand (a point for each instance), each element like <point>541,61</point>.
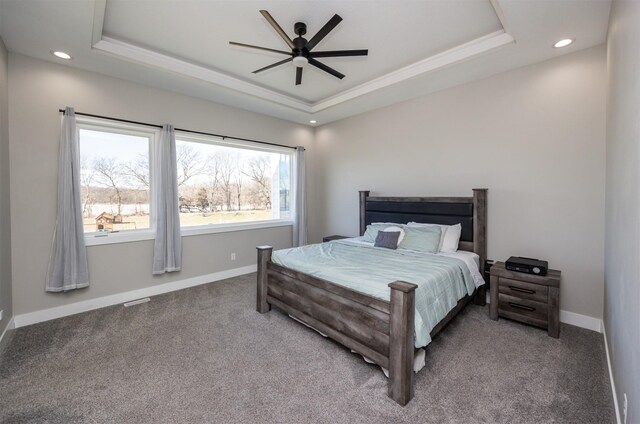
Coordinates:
<point>527,265</point>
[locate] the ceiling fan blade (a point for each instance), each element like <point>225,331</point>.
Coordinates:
<point>273,65</point>
<point>326,29</point>
<point>325,68</point>
<point>278,29</point>
<point>258,47</point>
<point>299,75</point>
<point>339,53</point>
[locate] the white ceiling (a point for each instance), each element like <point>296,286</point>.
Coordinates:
<point>396,33</point>
<point>415,47</point>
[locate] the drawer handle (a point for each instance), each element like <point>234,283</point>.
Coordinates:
<point>521,290</point>
<point>519,306</point>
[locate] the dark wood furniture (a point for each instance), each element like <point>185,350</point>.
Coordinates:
<point>334,237</point>
<point>527,298</point>
<point>382,331</point>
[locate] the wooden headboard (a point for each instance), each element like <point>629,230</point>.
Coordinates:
<point>470,212</point>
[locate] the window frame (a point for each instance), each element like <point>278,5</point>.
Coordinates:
<point>127,236</point>
<point>194,230</point>
<point>116,127</point>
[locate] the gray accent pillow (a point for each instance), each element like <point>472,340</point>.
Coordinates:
<point>372,229</point>
<point>387,239</point>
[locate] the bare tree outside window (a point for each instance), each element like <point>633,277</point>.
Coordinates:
<point>87,175</point>
<point>228,184</point>
<point>218,183</point>
<point>114,180</point>
<point>138,170</point>
<point>111,174</point>
<point>189,163</point>
<point>258,172</point>
<point>225,162</point>
<point>238,176</point>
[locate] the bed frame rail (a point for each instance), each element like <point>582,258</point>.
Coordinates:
<point>381,331</point>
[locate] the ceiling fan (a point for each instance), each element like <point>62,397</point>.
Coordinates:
<point>301,48</point>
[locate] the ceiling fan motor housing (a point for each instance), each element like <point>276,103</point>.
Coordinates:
<point>300,47</point>
<point>300,28</point>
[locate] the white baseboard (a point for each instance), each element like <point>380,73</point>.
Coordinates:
<point>613,384</point>
<point>583,321</point>
<point>30,318</point>
<point>10,326</point>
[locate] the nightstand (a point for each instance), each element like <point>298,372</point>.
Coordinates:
<point>335,237</point>
<point>527,298</point>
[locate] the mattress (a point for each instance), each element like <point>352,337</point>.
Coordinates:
<point>442,279</point>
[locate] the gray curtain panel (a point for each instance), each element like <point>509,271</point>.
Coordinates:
<point>68,268</point>
<point>167,249</point>
<point>300,193</point>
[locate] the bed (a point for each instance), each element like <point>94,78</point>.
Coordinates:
<point>381,330</point>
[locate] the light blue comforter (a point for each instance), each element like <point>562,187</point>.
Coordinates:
<point>441,281</point>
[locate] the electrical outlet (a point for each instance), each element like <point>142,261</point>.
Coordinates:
<point>233,256</point>
<point>624,408</point>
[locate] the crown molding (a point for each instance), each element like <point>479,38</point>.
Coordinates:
<point>500,14</point>
<point>137,54</point>
<point>449,57</point>
<point>148,57</point>
<point>99,8</point>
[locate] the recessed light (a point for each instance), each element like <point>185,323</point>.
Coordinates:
<point>313,121</point>
<point>61,55</point>
<point>563,43</point>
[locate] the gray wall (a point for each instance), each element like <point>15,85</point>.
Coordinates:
<point>534,136</point>
<point>622,245</point>
<point>37,90</point>
<point>5,222</point>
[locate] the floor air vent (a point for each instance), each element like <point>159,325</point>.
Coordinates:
<point>137,302</point>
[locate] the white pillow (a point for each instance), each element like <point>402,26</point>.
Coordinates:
<point>449,236</point>
<point>395,229</point>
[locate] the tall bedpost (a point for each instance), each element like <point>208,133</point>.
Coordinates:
<point>401,341</point>
<point>264,256</point>
<point>480,237</point>
<point>363,209</point>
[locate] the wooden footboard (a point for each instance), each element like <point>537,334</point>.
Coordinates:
<point>379,330</point>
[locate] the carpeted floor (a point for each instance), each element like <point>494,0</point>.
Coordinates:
<point>205,355</point>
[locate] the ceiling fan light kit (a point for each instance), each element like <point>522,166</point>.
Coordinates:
<point>301,53</point>
<point>300,61</point>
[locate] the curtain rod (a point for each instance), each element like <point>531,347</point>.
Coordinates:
<point>180,129</point>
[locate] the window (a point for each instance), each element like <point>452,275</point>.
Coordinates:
<point>222,182</point>
<point>114,178</point>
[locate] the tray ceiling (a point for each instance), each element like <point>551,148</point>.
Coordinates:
<point>415,47</point>
<point>397,34</point>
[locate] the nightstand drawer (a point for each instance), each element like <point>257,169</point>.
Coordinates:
<point>528,298</point>
<point>536,311</point>
<point>523,290</point>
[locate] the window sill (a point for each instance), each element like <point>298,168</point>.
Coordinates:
<point>133,236</point>
<point>238,226</point>
<point>123,237</point>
